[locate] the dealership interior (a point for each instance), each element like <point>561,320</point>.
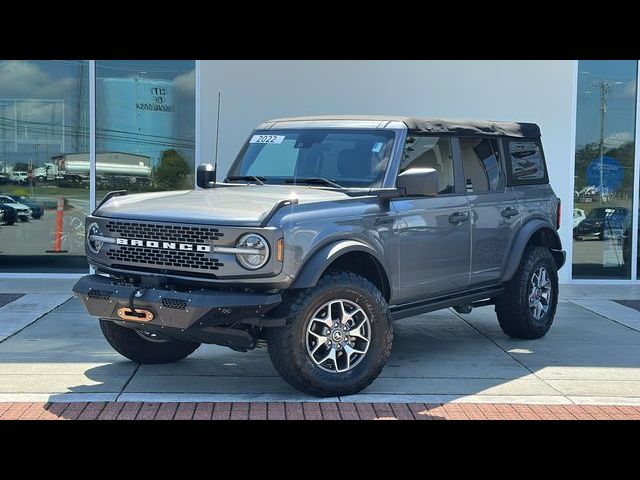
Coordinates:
<point>143,138</point>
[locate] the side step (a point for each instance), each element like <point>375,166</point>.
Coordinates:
<point>472,298</point>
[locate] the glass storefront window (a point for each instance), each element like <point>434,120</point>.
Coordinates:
<point>605,145</point>
<point>145,125</point>
<point>43,118</point>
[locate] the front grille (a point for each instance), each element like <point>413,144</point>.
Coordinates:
<point>163,258</point>
<point>174,303</point>
<point>99,295</point>
<point>167,233</point>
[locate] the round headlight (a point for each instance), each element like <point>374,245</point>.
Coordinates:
<point>257,244</point>
<point>94,245</point>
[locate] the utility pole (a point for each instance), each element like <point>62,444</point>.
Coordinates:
<point>605,89</point>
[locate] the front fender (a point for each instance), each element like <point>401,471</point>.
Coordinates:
<point>316,265</point>
<point>528,230</point>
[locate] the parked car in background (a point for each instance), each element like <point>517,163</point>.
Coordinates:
<point>603,223</point>
<point>36,209</point>
<point>578,216</point>
<point>23,212</point>
<point>18,177</point>
<point>10,214</point>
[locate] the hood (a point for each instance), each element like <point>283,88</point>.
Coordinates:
<point>17,206</point>
<point>235,205</point>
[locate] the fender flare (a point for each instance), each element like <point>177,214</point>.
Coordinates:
<point>318,262</point>
<point>528,230</point>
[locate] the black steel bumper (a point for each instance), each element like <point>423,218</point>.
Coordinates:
<point>103,297</point>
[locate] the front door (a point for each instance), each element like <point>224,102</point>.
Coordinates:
<point>434,233</point>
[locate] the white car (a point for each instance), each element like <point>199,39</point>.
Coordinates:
<point>18,177</point>
<point>23,212</point>
<point>578,216</point>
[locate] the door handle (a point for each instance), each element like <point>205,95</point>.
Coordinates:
<point>458,217</point>
<point>509,212</point>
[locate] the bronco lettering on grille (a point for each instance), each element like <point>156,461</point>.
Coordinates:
<point>190,247</point>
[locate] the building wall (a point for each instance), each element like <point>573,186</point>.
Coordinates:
<point>534,91</point>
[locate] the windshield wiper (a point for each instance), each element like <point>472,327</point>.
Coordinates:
<point>314,180</point>
<point>259,180</point>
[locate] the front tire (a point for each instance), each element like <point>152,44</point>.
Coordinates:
<point>528,306</point>
<point>144,348</point>
<point>337,338</point>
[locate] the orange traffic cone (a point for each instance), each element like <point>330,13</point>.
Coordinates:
<point>57,243</point>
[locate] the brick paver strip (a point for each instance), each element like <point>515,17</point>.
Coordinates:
<point>110,411</point>
<point>166,411</point>
<point>310,411</point>
<point>148,411</point>
<point>185,411</point>
<point>92,411</point>
<point>276,411</point>
<point>203,411</point>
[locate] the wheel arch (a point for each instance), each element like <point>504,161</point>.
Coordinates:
<point>534,232</point>
<point>348,255</point>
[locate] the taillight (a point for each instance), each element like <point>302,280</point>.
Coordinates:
<point>559,214</point>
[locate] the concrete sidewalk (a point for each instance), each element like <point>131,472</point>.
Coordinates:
<point>590,356</point>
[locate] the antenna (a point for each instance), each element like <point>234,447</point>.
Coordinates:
<point>215,161</point>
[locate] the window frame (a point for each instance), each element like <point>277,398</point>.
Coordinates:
<point>502,186</point>
<point>514,182</point>
<point>458,185</point>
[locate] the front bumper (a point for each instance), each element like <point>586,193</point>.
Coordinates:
<point>175,311</point>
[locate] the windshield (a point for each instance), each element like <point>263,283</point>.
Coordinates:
<point>328,157</point>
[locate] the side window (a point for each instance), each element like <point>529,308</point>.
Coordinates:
<point>430,152</point>
<point>527,162</point>
<point>481,164</point>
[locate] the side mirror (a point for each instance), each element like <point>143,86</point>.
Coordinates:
<point>205,175</point>
<point>419,182</point>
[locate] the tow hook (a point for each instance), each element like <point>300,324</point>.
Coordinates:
<point>135,314</point>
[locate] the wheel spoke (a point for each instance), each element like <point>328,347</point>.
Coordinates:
<point>320,341</point>
<point>357,332</point>
<point>331,355</point>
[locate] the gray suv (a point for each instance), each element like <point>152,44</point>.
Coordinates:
<point>324,231</point>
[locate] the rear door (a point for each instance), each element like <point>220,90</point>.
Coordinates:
<point>495,218</point>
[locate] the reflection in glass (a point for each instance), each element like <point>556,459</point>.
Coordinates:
<point>43,118</point>
<point>605,143</point>
<point>145,126</point>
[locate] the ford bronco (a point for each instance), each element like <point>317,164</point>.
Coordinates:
<point>324,231</point>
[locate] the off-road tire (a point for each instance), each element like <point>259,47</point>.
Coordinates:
<point>130,344</point>
<point>287,347</point>
<point>512,307</point>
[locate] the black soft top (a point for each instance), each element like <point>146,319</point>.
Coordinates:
<point>427,125</point>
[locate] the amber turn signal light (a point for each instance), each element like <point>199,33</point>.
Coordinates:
<point>280,250</point>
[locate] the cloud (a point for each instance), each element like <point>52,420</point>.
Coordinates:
<point>185,83</point>
<point>629,89</point>
<point>617,139</point>
<point>20,78</point>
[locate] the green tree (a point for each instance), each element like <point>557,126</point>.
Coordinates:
<point>172,171</point>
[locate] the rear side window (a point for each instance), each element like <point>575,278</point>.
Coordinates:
<point>526,162</point>
<point>481,165</point>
